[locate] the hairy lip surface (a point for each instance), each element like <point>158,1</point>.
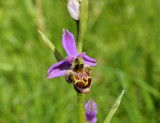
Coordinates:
<point>82,81</point>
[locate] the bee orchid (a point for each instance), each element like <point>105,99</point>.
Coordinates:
<point>76,67</point>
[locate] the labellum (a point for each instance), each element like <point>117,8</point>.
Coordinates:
<point>79,75</point>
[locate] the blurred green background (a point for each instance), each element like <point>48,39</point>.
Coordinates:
<point>122,35</point>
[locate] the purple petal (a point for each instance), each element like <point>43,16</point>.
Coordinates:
<point>94,120</point>
<point>58,69</point>
<point>90,110</point>
<point>69,43</point>
<point>82,54</point>
<point>89,61</point>
<point>70,59</point>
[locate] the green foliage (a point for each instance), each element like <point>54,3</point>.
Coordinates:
<point>123,36</point>
<point>52,47</point>
<point>114,108</point>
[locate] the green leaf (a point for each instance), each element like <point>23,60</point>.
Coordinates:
<point>58,56</point>
<point>114,108</point>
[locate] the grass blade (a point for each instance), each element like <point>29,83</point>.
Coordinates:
<point>114,108</point>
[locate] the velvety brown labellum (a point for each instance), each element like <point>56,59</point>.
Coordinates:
<point>79,76</point>
<point>82,81</point>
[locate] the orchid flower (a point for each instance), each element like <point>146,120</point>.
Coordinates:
<point>75,67</point>
<point>91,111</point>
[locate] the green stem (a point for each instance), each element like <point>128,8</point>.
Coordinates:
<point>83,16</point>
<point>77,24</point>
<point>81,107</point>
<point>81,29</point>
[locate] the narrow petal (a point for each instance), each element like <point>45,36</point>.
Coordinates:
<point>82,54</point>
<point>89,61</point>
<point>70,59</point>
<point>58,69</point>
<point>69,43</point>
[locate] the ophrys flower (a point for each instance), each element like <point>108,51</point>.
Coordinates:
<point>76,67</point>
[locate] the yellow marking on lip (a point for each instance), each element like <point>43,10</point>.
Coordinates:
<point>85,83</point>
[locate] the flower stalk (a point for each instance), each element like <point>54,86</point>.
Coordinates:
<point>81,27</point>
<point>81,107</point>
<point>83,16</point>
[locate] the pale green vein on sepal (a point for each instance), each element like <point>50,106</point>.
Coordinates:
<point>58,56</point>
<point>114,108</point>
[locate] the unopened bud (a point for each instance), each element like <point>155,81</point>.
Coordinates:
<point>73,8</point>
